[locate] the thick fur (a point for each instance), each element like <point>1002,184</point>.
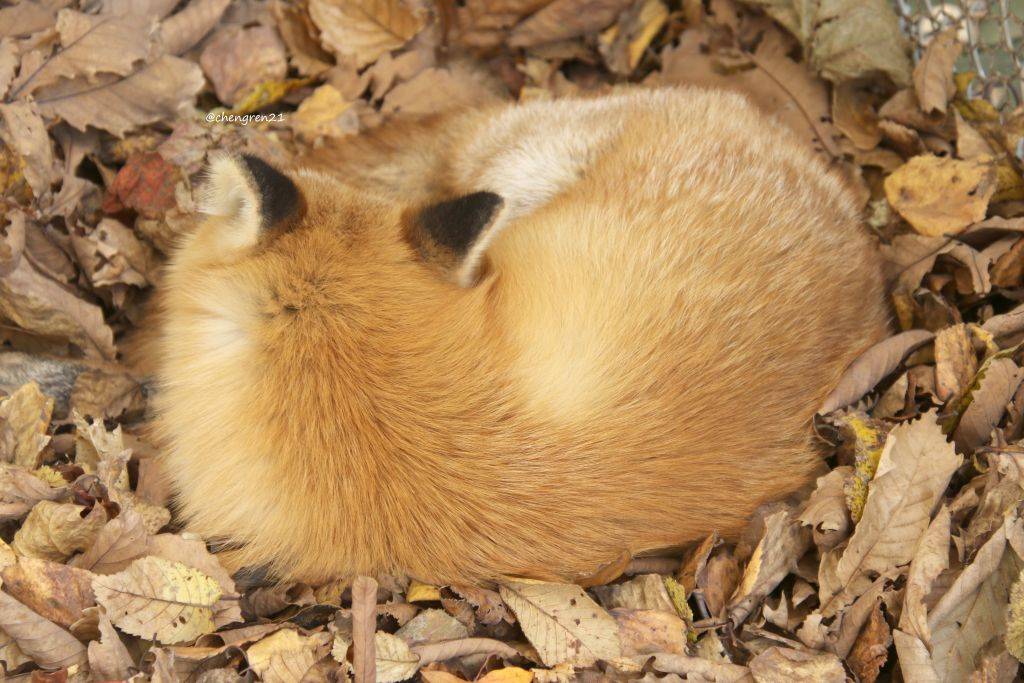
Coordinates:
<point>673,286</point>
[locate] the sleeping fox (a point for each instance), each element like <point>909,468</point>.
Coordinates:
<point>520,341</point>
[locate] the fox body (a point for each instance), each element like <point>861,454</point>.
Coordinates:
<point>513,342</point>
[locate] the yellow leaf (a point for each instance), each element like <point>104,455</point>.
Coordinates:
<point>284,655</point>
<point>266,93</point>
<point>421,592</point>
<point>510,674</point>
<point>24,417</point>
<point>160,600</point>
<point>938,195</point>
<point>325,113</point>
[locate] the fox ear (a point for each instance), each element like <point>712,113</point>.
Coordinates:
<point>454,235</point>
<point>250,195</point>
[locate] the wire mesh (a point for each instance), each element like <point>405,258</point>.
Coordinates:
<point>992,30</point>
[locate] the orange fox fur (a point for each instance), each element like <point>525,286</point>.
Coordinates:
<point>629,359</point>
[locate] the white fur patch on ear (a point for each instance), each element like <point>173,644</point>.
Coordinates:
<point>229,193</point>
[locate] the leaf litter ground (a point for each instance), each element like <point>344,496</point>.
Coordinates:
<point>905,562</point>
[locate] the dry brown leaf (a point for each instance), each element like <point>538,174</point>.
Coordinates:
<point>701,669</point>
<point>91,44</point>
<point>429,653</point>
<point>159,600</point>
<point>933,75</point>
<point>489,608</point>
<point>565,19</point>
<point>997,380</point>
<point>930,558</point>
<point>325,114</point>
<point>432,625</point>
<point>644,592</point>
<point>915,660</point>
<point>184,29</point>
<point>973,611</point>
<point>159,90</point>
<point>826,511</point>
<point>940,195</point>
<point>56,592</point>
<point>47,644</point>
<point>109,659</point>
<point>781,546</point>
<point>955,362</point>
<point>872,366</point>
<point>111,254</point>
<point>300,35</point>
<point>871,649</point>
<point>562,622</point>
<point>364,29</point>
<point>191,551</point>
<point>55,531</point>
<point>855,116</point>
<point>364,625</point>
<point>116,545</point>
<point>22,489</point>
<point>25,18</point>
<point>394,660</point>
<point>916,465</point>
<point>24,417</point>
<point>440,89</point>
<point>649,631</point>
<point>623,45</point>
<point>238,59</point>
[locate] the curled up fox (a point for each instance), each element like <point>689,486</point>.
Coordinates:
<point>518,341</point>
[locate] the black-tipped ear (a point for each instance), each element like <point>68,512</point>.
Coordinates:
<point>250,195</point>
<point>279,198</point>
<point>453,235</point>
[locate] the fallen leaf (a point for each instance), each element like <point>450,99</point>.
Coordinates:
<point>484,24</point>
<point>565,19</point>
<point>191,551</point>
<point>159,600</point>
<point>940,195</point>
<point>432,625</point>
<point>873,366</point>
<point>394,660</point>
<point>55,531</point>
<point>871,649</point>
<point>644,592</point>
<point>858,38</point>
<point>364,626</point>
<point>47,644</point>
<point>776,554</point>
<point>429,653</point>
<point>991,391</point>
<point>781,665</point>
<point>916,465</point>
<point>300,35</point>
<point>490,609</point>
<point>624,44</point>
<point>562,622</point>
<point>955,362</point>
<point>109,659</point>
<point>186,28</point>
<point>24,132</point>
<point>116,545</point>
<point>24,418</point>
<point>364,29</point>
<point>931,557</point>
<point>237,59</point>
<point>701,669</point>
<point>325,114</point>
<point>933,75</point>
<point>91,44</point>
<point>915,660</point>
<point>284,655</point>
<point>826,511</point>
<point>56,592</point>
<point>159,90</point>
<point>649,631</point>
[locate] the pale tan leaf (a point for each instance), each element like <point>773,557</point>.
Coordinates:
<point>440,89</point>
<point>429,653</point>
<point>490,609</point>
<point>47,644</point>
<point>999,379</point>
<point>432,625</point>
<point>111,254</point>
<point>564,19</point>
<point>24,132</point>
<point>284,656</point>
<point>915,660</point>
<point>91,44</point>
<point>159,600</point>
<point>55,531</point>
<point>781,665</point>
<point>872,366</point>
<point>24,18</point>
<point>238,59</point>
<point>364,626</point>
<point>644,592</point>
<point>858,38</point>
<point>24,418</point>
<point>325,114</point>
<point>779,549</point>
<point>364,29</point>
<point>191,551</point>
<point>826,511</point>
<point>701,669</point>
<point>855,116</point>
<point>25,489</point>
<point>394,661</point>
<point>955,362</point>
<point>916,465</point>
<point>941,195</point>
<point>161,89</point>
<point>623,45</point>
<point>117,544</point>
<point>649,631</point>
<point>109,659</point>
<point>933,75</point>
<point>930,558</point>
<point>562,622</point>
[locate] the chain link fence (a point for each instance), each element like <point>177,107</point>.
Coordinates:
<point>992,30</point>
